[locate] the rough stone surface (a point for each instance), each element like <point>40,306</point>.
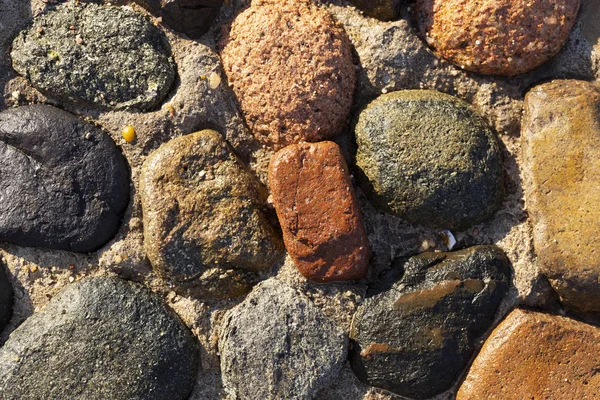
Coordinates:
<point>429,158</point>
<point>290,65</point>
<point>385,10</point>
<point>561,140</point>
<point>283,342</point>
<point>6,298</point>
<point>101,338</point>
<point>503,37</point>
<point>414,336</point>
<point>536,356</point>
<point>63,182</point>
<point>590,15</point>
<point>203,210</point>
<point>102,55</point>
<point>192,17</point>
<point>317,209</point>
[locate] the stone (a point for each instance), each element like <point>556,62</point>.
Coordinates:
<point>107,56</point>
<point>500,37</point>
<point>531,355</point>
<point>63,182</point>
<point>384,10</point>
<point>281,340</point>
<point>192,17</point>
<point>590,15</point>
<point>430,159</point>
<point>321,222</point>
<point>100,338</point>
<point>290,66</point>
<point>560,139</point>
<point>414,336</point>
<point>204,219</point>
<point>6,298</point>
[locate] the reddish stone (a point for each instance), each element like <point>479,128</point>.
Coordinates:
<point>322,227</point>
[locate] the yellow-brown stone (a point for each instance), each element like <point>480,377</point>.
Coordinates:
<point>561,146</point>
<point>532,355</point>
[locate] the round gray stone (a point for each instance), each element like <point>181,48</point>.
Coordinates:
<point>108,56</point>
<point>429,158</point>
<point>100,338</point>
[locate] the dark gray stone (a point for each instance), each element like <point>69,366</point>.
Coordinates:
<point>6,298</point>
<point>415,335</point>
<point>278,345</point>
<point>103,55</point>
<point>429,158</point>
<point>100,338</point>
<point>385,10</point>
<point>63,182</point>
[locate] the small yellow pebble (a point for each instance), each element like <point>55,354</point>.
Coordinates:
<point>128,133</point>
<point>34,269</point>
<point>214,80</point>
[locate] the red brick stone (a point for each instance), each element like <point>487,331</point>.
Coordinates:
<point>322,227</point>
<point>532,355</point>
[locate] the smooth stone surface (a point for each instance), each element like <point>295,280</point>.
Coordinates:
<point>192,17</point>
<point>561,149</point>
<point>322,225</point>
<point>385,10</point>
<point>6,298</point>
<point>203,210</point>
<point>100,338</point>
<point>113,57</point>
<point>413,336</point>
<point>532,355</point>
<point>283,342</point>
<point>63,182</point>
<point>503,37</point>
<point>430,159</point>
<point>290,65</point>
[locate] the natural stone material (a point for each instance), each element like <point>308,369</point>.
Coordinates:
<point>202,210</point>
<point>281,340</point>
<point>504,37</point>
<point>536,356</point>
<point>63,182</point>
<point>100,338</point>
<point>290,65</point>
<point>414,336</point>
<point>429,158</point>
<point>561,142</point>
<point>385,10</point>
<point>103,55</point>
<point>321,222</point>
<point>192,17</point>
<point>6,298</point>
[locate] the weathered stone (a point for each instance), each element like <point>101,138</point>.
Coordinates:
<point>192,17</point>
<point>590,15</point>
<point>414,336</point>
<point>103,55</point>
<point>385,10</point>
<point>283,342</point>
<point>63,182</point>
<point>6,298</point>
<point>202,210</point>
<point>504,37</point>
<point>429,158</point>
<point>561,141</point>
<point>322,226</point>
<point>290,65</point>
<point>536,356</point>
<point>100,338</point>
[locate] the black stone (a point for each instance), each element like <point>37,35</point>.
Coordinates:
<point>6,298</point>
<point>63,182</point>
<point>100,338</point>
<point>414,336</point>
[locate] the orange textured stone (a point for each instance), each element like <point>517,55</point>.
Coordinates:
<point>503,37</point>
<point>561,169</point>
<point>290,66</point>
<point>536,356</point>
<point>322,227</point>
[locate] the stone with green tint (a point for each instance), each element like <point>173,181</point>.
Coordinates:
<point>430,159</point>
<point>106,56</point>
